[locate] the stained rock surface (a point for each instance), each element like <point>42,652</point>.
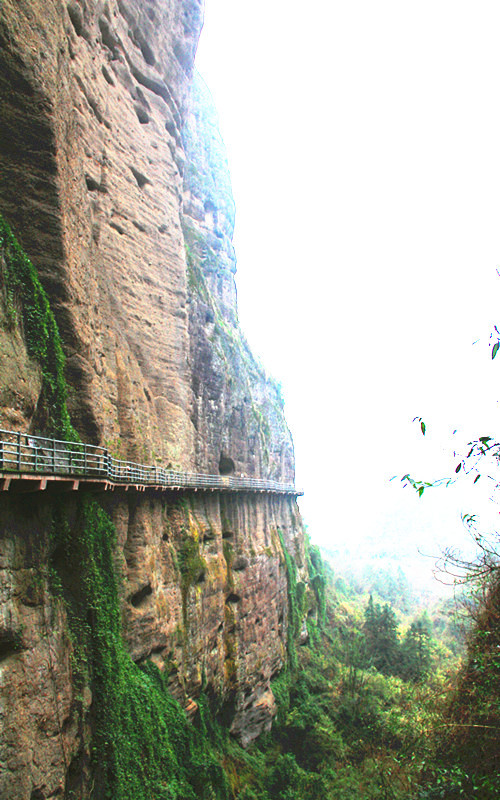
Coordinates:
<point>114,180</point>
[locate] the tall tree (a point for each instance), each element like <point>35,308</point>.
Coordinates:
<point>416,651</point>
<point>381,636</point>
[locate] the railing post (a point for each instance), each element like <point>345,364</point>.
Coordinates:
<point>100,460</point>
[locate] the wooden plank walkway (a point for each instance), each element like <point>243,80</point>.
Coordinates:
<point>34,463</point>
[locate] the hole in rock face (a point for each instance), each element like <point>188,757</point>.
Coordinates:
<point>233,598</point>
<point>37,794</point>
<point>139,597</point>
<point>10,643</point>
<point>107,36</point>
<point>92,184</point>
<point>73,777</point>
<point>107,76</point>
<point>117,228</point>
<point>153,654</point>
<point>147,53</point>
<point>140,178</point>
<point>142,115</point>
<point>210,214</point>
<point>226,465</point>
<point>170,127</point>
<point>76,18</point>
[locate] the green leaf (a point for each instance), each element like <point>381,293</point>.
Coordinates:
<point>484,439</point>
<point>422,427</point>
<point>457,469</point>
<point>495,349</point>
<point>476,478</point>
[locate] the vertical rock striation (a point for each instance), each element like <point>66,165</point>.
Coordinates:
<point>237,410</point>
<point>114,179</point>
<point>91,163</point>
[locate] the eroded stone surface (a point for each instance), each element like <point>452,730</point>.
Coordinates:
<point>237,409</point>
<point>38,720</point>
<point>227,622</point>
<point>114,180</point>
<point>91,166</point>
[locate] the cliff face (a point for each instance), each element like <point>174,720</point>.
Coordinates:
<point>237,410</point>
<point>113,178</point>
<point>93,96</point>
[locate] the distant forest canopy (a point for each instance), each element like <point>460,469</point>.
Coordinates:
<point>385,703</point>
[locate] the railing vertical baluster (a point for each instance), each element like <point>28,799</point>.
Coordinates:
<point>99,460</point>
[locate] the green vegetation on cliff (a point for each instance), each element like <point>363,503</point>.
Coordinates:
<point>143,746</point>
<point>366,706</point>
<point>377,711</point>
<point>23,294</point>
<point>468,743</point>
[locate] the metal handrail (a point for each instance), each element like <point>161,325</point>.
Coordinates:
<point>25,453</point>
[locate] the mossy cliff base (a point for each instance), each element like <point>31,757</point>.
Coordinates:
<point>170,584</point>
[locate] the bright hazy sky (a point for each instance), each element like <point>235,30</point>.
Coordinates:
<point>364,145</point>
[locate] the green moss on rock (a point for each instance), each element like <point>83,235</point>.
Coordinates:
<point>22,288</point>
<point>143,746</point>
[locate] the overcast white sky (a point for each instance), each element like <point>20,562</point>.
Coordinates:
<point>364,145</point>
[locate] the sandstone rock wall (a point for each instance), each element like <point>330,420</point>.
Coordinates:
<point>221,620</point>
<point>113,177</point>
<point>38,721</point>
<point>237,409</point>
<point>204,596</point>
<point>91,165</point>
